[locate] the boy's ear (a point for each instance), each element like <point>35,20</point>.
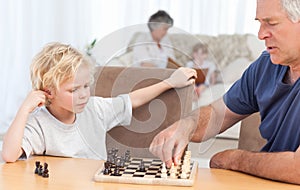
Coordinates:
<point>49,92</point>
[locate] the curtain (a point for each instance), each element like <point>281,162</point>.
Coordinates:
<point>26,26</point>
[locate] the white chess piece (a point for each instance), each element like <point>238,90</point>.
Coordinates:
<point>183,175</point>
<point>173,171</point>
<point>164,171</point>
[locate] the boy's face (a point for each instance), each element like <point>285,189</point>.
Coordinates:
<point>199,55</point>
<point>73,95</point>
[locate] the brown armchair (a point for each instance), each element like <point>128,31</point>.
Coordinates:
<point>250,138</point>
<point>147,120</point>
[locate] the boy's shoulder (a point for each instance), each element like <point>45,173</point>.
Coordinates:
<point>38,111</point>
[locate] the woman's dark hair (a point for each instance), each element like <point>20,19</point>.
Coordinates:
<point>158,18</point>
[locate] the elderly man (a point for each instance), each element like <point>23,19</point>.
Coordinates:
<point>270,86</point>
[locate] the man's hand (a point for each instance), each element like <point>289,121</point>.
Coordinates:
<point>226,159</point>
<point>170,143</point>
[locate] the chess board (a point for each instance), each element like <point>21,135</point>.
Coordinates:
<point>130,173</point>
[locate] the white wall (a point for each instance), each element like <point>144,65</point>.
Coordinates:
<point>27,25</point>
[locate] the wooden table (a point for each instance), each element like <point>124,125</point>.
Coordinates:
<point>73,174</point>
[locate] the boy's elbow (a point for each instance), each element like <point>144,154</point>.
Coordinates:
<point>8,157</point>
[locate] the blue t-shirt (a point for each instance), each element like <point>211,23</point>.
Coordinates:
<point>261,88</point>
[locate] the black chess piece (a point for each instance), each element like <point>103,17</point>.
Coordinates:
<point>46,171</point>
<point>127,156</point>
<point>37,165</point>
<point>106,171</point>
<point>40,170</point>
<point>117,171</point>
<point>142,167</point>
<point>107,168</point>
<point>122,162</point>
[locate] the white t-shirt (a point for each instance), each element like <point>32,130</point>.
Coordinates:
<point>146,50</point>
<point>85,138</point>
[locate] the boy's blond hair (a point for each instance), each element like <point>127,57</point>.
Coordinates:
<point>203,47</point>
<point>55,64</point>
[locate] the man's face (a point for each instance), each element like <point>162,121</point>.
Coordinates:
<point>281,35</point>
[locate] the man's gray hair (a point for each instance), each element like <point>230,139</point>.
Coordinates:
<point>292,8</point>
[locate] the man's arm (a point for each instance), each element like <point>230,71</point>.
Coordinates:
<point>279,166</point>
<point>180,78</point>
<point>202,124</point>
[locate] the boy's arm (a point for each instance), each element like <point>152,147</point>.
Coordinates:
<point>11,148</point>
<point>180,78</point>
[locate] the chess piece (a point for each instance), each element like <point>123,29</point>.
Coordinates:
<point>142,167</point>
<point>183,175</point>
<point>37,165</point>
<point>173,171</point>
<point>40,170</point>
<point>106,171</point>
<point>127,156</point>
<point>122,162</point>
<point>164,171</point>
<point>107,168</point>
<point>118,162</point>
<point>117,171</point>
<point>45,171</point>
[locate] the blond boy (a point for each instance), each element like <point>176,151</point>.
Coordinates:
<point>59,117</point>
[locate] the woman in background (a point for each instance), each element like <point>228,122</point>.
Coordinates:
<point>155,49</point>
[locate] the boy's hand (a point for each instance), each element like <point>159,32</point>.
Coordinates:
<point>34,99</point>
<point>182,77</point>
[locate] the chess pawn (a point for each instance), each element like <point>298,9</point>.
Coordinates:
<point>164,171</point>
<point>142,167</point>
<point>117,171</point>
<point>40,170</point>
<point>106,171</point>
<point>173,171</point>
<point>37,165</point>
<point>127,156</point>
<point>173,175</point>
<point>183,175</point>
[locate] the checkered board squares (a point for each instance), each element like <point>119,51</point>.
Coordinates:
<point>131,173</point>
